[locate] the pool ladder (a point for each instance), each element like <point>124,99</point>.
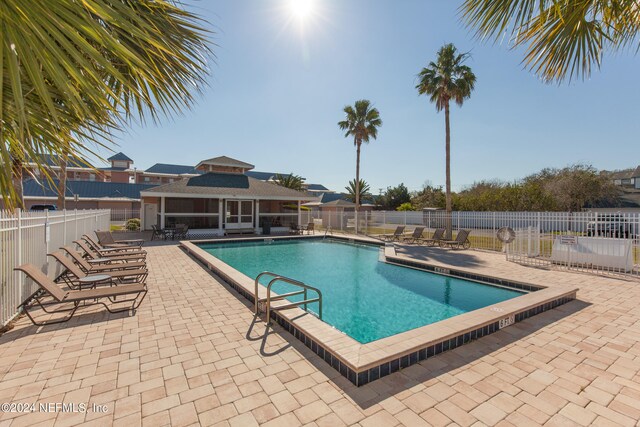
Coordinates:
<point>303,291</point>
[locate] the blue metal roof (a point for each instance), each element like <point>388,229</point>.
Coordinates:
<point>85,189</point>
<point>54,160</point>
<point>173,169</point>
<point>317,187</point>
<point>219,180</point>
<point>120,156</point>
<point>262,176</point>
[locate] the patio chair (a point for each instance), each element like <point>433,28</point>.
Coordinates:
<point>115,248</point>
<point>107,266</point>
<point>105,238</point>
<point>415,236</point>
<point>310,228</point>
<point>48,288</point>
<point>158,232</point>
<point>435,238</point>
<point>181,231</point>
<point>295,229</point>
<point>396,234</point>
<point>460,242</point>
<point>73,274</point>
<point>113,256</point>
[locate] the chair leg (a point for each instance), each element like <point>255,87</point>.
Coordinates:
<point>51,322</point>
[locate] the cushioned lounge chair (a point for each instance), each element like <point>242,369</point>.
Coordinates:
<point>72,273</point>
<point>112,256</point>
<point>415,236</point>
<point>105,238</point>
<point>460,242</point>
<point>50,294</point>
<point>90,268</point>
<point>396,234</point>
<point>433,240</point>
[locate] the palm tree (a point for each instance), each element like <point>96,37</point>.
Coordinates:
<point>361,122</point>
<point>75,72</point>
<point>295,182</point>
<point>563,38</point>
<point>363,190</point>
<point>445,80</point>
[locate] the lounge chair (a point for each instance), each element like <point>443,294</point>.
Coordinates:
<point>88,296</point>
<point>72,273</point>
<point>396,234</point>
<point>460,242</point>
<point>99,268</point>
<point>437,236</point>
<point>115,248</point>
<point>110,255</point>
<point>105,238</point>
<point>415,236</point>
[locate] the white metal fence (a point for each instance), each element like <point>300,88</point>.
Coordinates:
<point>27,237</point>
<point>606,243</point>
<point>119,218</point>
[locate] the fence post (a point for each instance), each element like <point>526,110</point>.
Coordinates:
<point>19,254</point>
<point>46,240</point>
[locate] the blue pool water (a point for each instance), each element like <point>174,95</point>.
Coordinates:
<point>362,296</point>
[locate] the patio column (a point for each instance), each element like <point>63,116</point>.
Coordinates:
<point>299,214</point>
<point>161,212</point>
<point>220,216</point>
<point>257,216</point>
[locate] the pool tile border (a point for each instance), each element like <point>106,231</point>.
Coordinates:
<point>364,363</point>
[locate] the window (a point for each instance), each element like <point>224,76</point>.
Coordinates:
<point>201,206</point>
<point>92,177</point>
<point>120,164</point>
<point>146,179</point>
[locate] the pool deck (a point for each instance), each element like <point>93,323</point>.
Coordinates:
<point>193,353</point>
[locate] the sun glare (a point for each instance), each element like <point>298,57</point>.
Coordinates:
<point>301,8</point>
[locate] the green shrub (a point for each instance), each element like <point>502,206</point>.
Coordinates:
<point>133,224</point>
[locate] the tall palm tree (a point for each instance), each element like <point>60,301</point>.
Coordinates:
<point>295,182</point>
<point>563,38</point>
<point>84,70</point>
<point>363,190</point>
<point>447,80</point>
<point>361,122</point>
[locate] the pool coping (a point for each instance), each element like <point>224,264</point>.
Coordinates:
<point>363,363</point>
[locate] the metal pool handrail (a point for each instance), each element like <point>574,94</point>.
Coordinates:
<point>269,298</point>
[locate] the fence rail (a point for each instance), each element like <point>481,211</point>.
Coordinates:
<point>27,237</point>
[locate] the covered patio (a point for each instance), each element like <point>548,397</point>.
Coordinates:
<point>223,203</point>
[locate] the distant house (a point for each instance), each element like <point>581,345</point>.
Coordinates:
<point>120,168</point>
<point>77,169</point>
<point>628,178</point>
<point>223,198</point>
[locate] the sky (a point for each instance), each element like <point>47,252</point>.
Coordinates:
<point>279,83</point>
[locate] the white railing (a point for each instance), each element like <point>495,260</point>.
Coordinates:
<point>604,242</point>
<point>119,217</point>
<point>27,237</point>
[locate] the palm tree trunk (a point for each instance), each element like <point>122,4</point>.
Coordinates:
<point>358,144</point>
<point>448,169</point>
<point>17,169</point>
<point>62,182</point>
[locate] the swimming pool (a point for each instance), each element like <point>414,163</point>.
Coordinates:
<point>362,296</point>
